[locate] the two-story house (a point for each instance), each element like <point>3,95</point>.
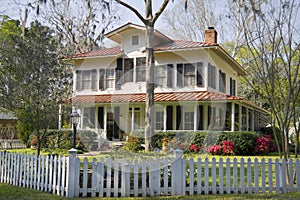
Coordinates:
<point>196,86</point>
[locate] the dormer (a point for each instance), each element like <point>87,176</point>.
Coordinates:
<point>131,37</point>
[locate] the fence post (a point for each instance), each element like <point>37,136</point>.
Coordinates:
<point>177,173</point>
<point>70,189</point>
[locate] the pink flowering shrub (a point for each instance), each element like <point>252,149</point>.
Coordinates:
<point>263,144</point>
<point>226,148</point>
<point>194,148</point>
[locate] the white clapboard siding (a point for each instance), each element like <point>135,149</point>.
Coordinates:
<point>72,177</point>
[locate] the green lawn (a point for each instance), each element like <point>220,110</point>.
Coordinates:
<point>8,192</point>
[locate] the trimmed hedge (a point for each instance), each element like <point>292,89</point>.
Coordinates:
<point>244,142</point>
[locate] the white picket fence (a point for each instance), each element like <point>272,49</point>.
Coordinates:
<point>68,176</point>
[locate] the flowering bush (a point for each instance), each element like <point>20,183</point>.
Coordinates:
<point>226,148</point>
<point>215,149</point>
<point>263,144</point>
<point>194,148</point>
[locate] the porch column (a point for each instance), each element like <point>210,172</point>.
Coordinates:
<point>232,116</point>
<point>240,117</point>
<point>165,118</point>
<point>105,122</point>
<point>196,117</point>
<point>132,120</point>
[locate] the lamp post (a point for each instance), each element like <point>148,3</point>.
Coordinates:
<point>75,117</point>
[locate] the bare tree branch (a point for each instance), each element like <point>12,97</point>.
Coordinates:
<point>160,10</point>
<point>133,10</point>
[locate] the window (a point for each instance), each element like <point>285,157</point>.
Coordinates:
<point>86,79</point>
<point>110,78</point>
<point>179,75</point>
<point>189,75</point>
<point>170,76</point>
<point>222,81</point>
<point>200,74</point>
<point>135,124</point>
<point>161,75</point>
<point>89,117</point>
<point>140,69</point>
<point>128,70</point>
<point>211,76</point>
<point>189,120</point>
<point>106,79</point>
<point>159,120</point>
<point>135,40</point>
<point>232,87</point>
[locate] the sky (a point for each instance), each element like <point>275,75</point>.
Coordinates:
<point>10,8</point>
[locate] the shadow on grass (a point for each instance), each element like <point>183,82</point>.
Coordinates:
<point>12,192</point>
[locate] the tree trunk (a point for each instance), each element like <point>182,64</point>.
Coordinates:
<point>149,118</point>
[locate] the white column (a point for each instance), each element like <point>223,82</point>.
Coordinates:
<point>59,117</point>
<point>240,117</point>
<point>232,116</point>
<point>132,120</point>
<point>105,122</point>
<point>165,118</point>
<point>196,118</point>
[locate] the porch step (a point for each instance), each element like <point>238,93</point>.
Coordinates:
<point>106,146</point>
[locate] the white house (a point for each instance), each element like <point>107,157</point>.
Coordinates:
<point>196,86</point>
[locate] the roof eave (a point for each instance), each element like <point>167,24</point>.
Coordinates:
<point>224,55</point>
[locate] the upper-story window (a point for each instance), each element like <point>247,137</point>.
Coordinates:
<point>125,70</point>
<point>211,76</point>
<point>135,40</point>
<point>232,87</point>
<point>189,74</point>
<point>86,79</point>
<point>140,69</point>
<point>106,79</point>
<point>222,81</point>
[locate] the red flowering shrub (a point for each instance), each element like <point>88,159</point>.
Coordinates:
<point>226,148</point>
<point>215,149</point>
<point>263,144</point>
<point>194,148</point>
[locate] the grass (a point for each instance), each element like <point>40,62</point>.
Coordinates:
<point>8,192</point>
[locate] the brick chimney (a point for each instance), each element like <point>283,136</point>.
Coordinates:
<point>211,35</point>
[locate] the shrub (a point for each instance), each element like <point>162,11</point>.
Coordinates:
<point>133,144</point>
<point>244,142</point>
<point>263,145</point>
<point>269,131</point>
<point>162,138</point>
<point>63,139</point>
<point>197,138</point>
<point>226,148</point>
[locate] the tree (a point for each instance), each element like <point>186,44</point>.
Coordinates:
<point>149,22</point>
<point>33,81</point>
<point>273,58</point>
<point>191,25</point>
<point>80,25</point>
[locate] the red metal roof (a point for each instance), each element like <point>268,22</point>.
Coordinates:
<point>158,97</point>
<point>182,44</point>
<point>175,45</point>
<point>96,53</point>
